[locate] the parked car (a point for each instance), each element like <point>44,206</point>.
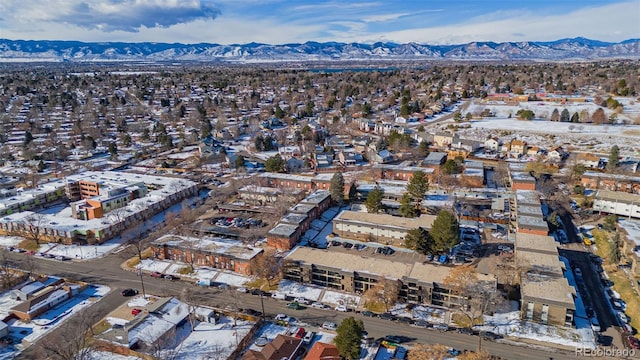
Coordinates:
<point>129,292</point>
<point>242,289</point>
<point>328,325</point>
<point>318,305</point>
<point>488,335</point>
<point>309,337</point>
<point>578,273</point>
<point>618,304</point>
<point>294,306</point>
<point>252,312</point>
<point>341,308</point>
<point>441,327</point>
<point>135,311</point>
<point>405,320</point>
<point>623,317</point>
<point>156,274</point>
<point>589,311</point>
<point>465,331</point>
<point>422,324</point>
<point>634,342</point>
<point>368,313</point>
<point>171,277</point>
<point>595,325</point>
<point>302,300</point>
<point>387,316</point>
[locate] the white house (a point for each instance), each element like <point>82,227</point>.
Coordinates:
<point>492,144</point>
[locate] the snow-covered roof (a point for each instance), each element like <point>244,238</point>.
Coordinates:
<point>228,247</point>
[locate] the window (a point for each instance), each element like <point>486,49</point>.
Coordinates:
<point>545,313</point>
<point>529,314</point>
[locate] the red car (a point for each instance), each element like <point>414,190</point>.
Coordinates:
<point>135,311</point>
<point>300,333</point>
<point>156,274</point>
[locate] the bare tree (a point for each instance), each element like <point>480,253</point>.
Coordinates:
<point>385,292</point>
<point>475,295</point>
<point>188,297</point>
<point>428,352</point>
<point>266,266</point>
<point>32,228</point>
<point>73,339</point>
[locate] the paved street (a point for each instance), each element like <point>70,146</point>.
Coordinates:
<point>107,271</point>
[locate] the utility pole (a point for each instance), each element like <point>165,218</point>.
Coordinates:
<point>144,295</point>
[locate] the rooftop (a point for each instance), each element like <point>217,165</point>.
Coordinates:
<point>540,263</point>
<point>280,176</point>
<point>618,196</point>
<point>548,290</point>
<point>317,197</point>
<point>285,230</point>
<point>532,222</point>
<point>536,243</point>
<point>293,218</point>
<point>424,221</point>
<point>530,210</point>
<point>232,248</point>
<point>529,197</point>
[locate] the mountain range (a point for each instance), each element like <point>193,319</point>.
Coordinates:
<point>75,51</point>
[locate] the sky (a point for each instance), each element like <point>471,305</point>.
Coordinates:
<point>297,21</point>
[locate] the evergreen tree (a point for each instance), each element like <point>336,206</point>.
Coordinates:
<point>423,149</point>
<point>336,188</point>
<point>564,116</point>
<point>575,117</point>
<point>275,164</point>
<point>418,185</point>
<point>450,167</point>
<point>445,231</point>
<point>279,113</point>
<point>239,162</point>
<point>614,250</point>
<point>614,156</point>
<point>374,200</point>
<point>28,138</point>
<point>113,148</point>
<point>417,239</point>
<point>555,115</point>
<point>349,337</point>
<point>407,208</point>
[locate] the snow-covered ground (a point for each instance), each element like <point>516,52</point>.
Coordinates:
<point>510,324</point>
<point>295,289</point>
<point>104,355</point>
<point>207,339</point>
<point>10,240</point>
<point>426,313</point>
<point>337,298</point>
<point>32,331</point>
<point>172,267</point>
<point>582,137</point>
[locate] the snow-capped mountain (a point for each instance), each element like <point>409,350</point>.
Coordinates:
<point>74,51</point>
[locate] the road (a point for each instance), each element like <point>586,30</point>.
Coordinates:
<point>107,271</point>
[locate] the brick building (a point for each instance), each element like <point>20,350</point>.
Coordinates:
<point>218,253</point>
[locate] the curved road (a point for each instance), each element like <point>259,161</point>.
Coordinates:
<point>107,271</point>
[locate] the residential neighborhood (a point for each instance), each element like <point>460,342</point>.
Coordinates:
<point>288,210</point>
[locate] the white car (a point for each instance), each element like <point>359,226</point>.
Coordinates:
<point>317,305</point>
<point>341,308</point>
<point>623,317</point>
<point>282,317</point>
<point>242,289</point>
<point>301,301</point>
<point>328,325</point>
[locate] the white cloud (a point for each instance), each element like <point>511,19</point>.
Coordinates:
<point>619,23</point>
<point>105,15</point>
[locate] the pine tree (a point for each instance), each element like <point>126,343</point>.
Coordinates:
<point>418,185</point>
<point>374,200</point>
<point>336,188</point>
<point>445,231</point>
<point>275,164</point>
<point>614,156</point>
<point>417,239</point>
<point>349,337</point>
<point>407,208</point>
<point>555,115</point>
<point>564,116</point>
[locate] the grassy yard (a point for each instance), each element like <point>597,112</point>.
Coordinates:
<point>622,284</point>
